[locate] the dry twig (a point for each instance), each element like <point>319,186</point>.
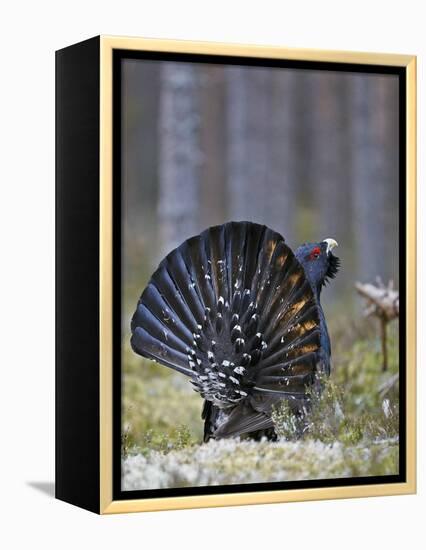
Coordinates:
<point>381,302</point>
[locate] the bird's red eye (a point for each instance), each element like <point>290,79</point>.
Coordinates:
<point>315,252</point>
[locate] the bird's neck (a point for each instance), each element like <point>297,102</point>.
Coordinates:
<point>325,338</point>
<point>317,291</point>
<point>316,288</point>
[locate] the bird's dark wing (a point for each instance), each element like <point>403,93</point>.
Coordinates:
<point>243,419</point>
<point>251,415</point>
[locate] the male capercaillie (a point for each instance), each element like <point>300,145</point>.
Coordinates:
<point>238,313</point>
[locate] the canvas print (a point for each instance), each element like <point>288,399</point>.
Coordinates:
<point>259,274</point>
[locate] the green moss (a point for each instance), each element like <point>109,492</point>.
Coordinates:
<point>160,409</point>
<point>351,406</point>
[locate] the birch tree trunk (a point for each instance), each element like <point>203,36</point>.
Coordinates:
<point>179,156</point>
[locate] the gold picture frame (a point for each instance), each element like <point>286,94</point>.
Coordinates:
<point>106,504</point>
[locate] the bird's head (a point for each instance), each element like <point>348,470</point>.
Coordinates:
<point>319,262</point>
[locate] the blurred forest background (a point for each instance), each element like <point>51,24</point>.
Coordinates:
<point>311,154</point>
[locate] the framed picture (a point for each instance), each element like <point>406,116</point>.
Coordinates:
<point>235,274</point>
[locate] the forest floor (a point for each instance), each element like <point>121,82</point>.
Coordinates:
<point>352,430</point>
<point>230,461</point>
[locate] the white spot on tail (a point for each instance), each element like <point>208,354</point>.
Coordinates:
<point>239,370</point>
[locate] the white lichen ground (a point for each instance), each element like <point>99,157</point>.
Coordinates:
<point>232,461</point>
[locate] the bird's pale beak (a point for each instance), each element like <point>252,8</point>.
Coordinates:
<point>331,243</point>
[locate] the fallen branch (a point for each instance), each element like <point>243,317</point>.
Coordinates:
<point>383,303</point>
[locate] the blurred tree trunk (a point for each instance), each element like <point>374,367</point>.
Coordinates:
<point>375,174</point>
<point>247,162</point>
<point>328,160</point>
<point>139,164</point>
<point>282,152</point>
<point>179,155</point>
<point>213,205</point>
<point>261,163</point>
<point>139,154</point>
<point>328,151</point>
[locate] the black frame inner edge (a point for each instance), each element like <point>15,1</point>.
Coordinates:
<point>118,56</point>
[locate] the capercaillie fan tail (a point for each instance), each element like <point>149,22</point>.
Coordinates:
<point>233,310</point>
